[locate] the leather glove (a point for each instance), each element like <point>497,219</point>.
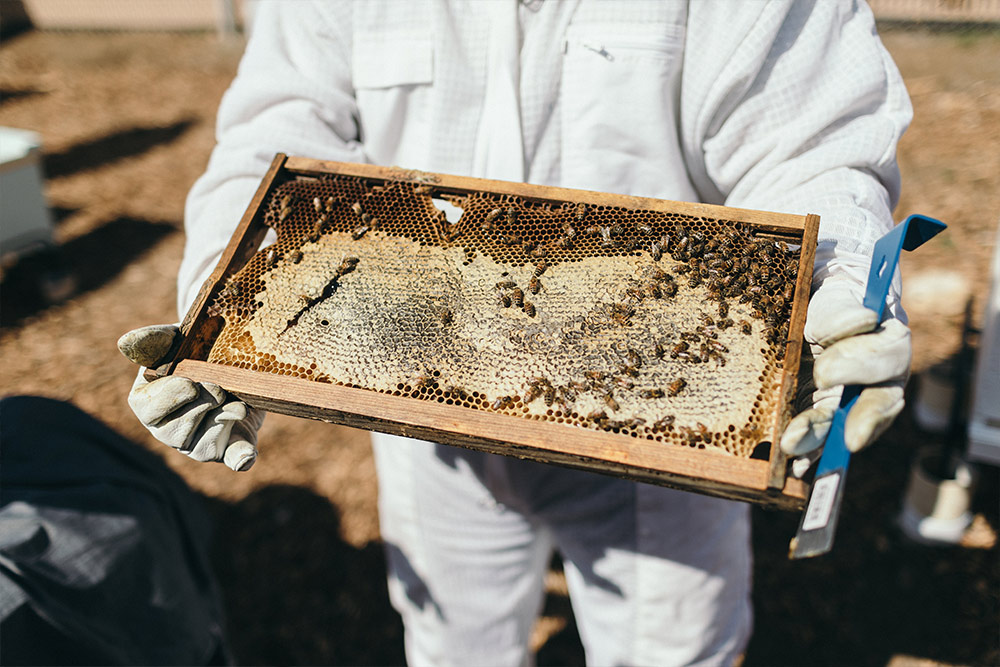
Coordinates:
<point>199,419</point>
<point>847,346</point>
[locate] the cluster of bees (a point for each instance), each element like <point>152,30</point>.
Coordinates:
<point>509,294</point>
<point>729,265</point>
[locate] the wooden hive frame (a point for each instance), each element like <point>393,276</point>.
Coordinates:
<point>757,480</point>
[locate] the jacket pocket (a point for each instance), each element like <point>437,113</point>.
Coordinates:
<point>620,91</point>
<point>393,73</point>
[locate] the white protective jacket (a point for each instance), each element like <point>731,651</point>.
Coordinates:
<point>784,106</point>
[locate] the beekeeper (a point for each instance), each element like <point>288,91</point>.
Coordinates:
<point>784,106</point>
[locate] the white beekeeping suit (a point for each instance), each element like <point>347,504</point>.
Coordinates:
<point>788,106</point>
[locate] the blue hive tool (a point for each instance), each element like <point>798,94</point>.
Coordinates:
<point>819,520</point>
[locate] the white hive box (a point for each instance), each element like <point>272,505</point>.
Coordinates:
<point>25,221</point>
<point>984,422</point>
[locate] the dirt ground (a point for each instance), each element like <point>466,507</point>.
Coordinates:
<point>127,125</point>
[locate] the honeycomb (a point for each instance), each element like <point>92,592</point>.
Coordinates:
<point>657,325</point>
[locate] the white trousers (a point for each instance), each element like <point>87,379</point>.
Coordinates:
<point>655,576</point>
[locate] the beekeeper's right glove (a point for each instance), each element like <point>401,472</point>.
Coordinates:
<point>199,419</point>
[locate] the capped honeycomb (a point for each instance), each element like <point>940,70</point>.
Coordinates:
<point>657,325</point>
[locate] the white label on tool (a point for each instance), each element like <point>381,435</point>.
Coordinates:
<point>821,504</point>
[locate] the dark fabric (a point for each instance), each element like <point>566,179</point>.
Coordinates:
<point>103,550</point>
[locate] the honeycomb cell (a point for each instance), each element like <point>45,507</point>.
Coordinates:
<point>654,324</point>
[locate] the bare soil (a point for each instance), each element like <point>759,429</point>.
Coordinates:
<point>127,126</point>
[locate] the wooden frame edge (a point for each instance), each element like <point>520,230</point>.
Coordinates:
<point>765,219</point>
<point>244,242</point>
<point>794,348</point>
<point>700,471</point>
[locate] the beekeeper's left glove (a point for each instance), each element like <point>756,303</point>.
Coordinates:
<point>847,346</point>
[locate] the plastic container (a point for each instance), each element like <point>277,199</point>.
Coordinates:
<point>936,507</point>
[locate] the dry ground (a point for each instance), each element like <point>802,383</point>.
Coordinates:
<point>127,125</point>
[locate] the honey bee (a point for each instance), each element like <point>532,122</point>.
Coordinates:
<point>745,327</point>
<point>659,275</point>
<point>659,351</point>
<point>356,207</point>
<point>676,386</point>
<point>568,230</point>
<point>644,229</point>
<point>633,358</point>
<point>664,423</point>
<point>581,211</point>
<point>502,402</point>
<point>563,242</point>
<point>606,241</point>
<point>494,214</point>
<point>540,268</point>
<point>534,285</point>
<point>234,289</point>
<point>359,232</point>
<point>529,309</point>
<point>330,201</point>
<point>540,251</point>
<point>669,289</point>
<point>272,258</point>
<point>598,416</point>
<point>505,300</point>
<point>295,256</point>
<point>594,376</point>
<point>285,212</point>
<point>723,309</point>
<point>445,314</point>
<point>511,215</point>
<point>691,336</point>
<point>631,371</point>
<point>635,292</point>
<point>317,204</point>
<point>694,280</point>
<point>347,265</point>
<point>656,251</point>
<point>531,394</point>
<point>549,395</point>
<point>511,239</point>
<point>725,323</point>
<point>622,313</point>
<point>506,284</point>
<point>455,390</point>
<point>706,319</point>
<point>423,381</point>
<point>651,393</point>
<point>593,230</point>
<point>624,383</point>
<point>423,190</point>
<point>528,246</point>
<point>517,296</point>
<point>707,332</point>
<point>609,400</point>
<point>567,393</point>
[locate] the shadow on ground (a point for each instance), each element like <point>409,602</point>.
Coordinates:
<point>111,148</point>
<point>877,594</point>
<point>80,265</point>
<point>295,592</point>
